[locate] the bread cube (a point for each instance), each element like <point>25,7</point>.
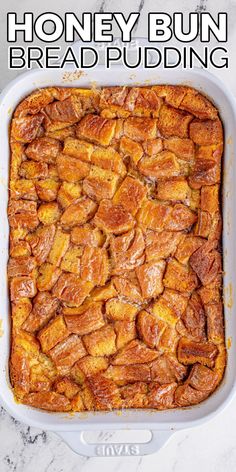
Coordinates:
<point>125,332</point>
<point>41,242</point>
<point>181,147</point>
<point>68,193</point>
<point>51,401</point>
<point>95,265</point>
<point>127,251</point>
<point>153,146</point>
<point>100,183</point>
<point>79,213</point>
<point>185,395</point>
<point>18,266</point>
<point>23,188</point>
<point>44,308</point>
<point>194,319</point>
<point>165,311</point>
<point>206,262</point>
<point>17,156</point>
<point>90,320</point>
<point>20,373</point>
<point>77,309</point>
<point>27,343</point>
<point>71,169</point>
<point>34,102</point>
<point>148,328</point>
<point>210,198</point>
<point>174,190</point>
<point>25,128</point>
<point>55,332</point>
<point>202,378</point>
<point>207,132</point>
<point>65,111</point>
<point>173,94</point>
<point>203,224</point>
<point>113,218</point>
<point>77,403</point>
<point>204,172</point>
<point>198,105</point>
<point>21,287</point>
<point>180,277</point>
<point>104,293</point>
<point>43,149</point>
<point>87,235</point>
<point>169,340</point>
<point>127,374</point>
<point>130,195</point>
<point>140,129</point>
<point>161,245</point>
<point>211,152</point>
<point>210,293</point>
<point>187,246</point>
<point>96,129</point>
<point>153,215</point>
<point>150,277</point>
<point>20,311</point>
<point>173,122</point>
<point>79,149</point>
<point>111,96</point>
<point>161,166</point>
<point>66,353</point>
<point>167,369</point>
<point>109,159</point>
<point>190,352</point>
<point>118,310</point>
<point>180,218</point>
<point>134,395</point>
<point>88,366</point>
<point>131,148</point>
<point>23,216</point>
<point>33,170</point>
<point>49,213</point>
<point>47,189</point>
<point>71,260</point>
<point>53,172</point>
<point>194,199</point>
<point>104,392</point>
<point>67,387</point>
<point>161,397</point>
<point>19,249</point>
<point>136,352</point>
<point>128,289</point>
<point>71,289</point>
<point>48,275</point>
<point>62,134</point>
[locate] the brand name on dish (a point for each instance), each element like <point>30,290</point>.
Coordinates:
<point>118,450</point>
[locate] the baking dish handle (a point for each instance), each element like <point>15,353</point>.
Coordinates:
<point>77,442</point>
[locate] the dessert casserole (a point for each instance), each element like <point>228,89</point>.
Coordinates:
<point>115,267</point>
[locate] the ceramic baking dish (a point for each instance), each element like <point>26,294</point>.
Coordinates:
<point>162,424</point>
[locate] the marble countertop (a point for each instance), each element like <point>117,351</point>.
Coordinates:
<point>210,447</point>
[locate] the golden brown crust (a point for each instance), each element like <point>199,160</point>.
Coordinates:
<point>115,248</point>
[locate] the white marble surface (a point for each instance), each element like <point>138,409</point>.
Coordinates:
<point>211,447</point>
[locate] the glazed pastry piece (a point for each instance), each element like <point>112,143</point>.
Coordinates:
<point>115,249</point>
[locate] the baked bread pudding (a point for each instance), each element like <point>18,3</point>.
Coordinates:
<point>115,248</point>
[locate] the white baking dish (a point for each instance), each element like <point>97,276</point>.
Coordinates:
<point>162,424</point>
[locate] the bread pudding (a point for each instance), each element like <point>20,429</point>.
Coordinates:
<point>115,267</point>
